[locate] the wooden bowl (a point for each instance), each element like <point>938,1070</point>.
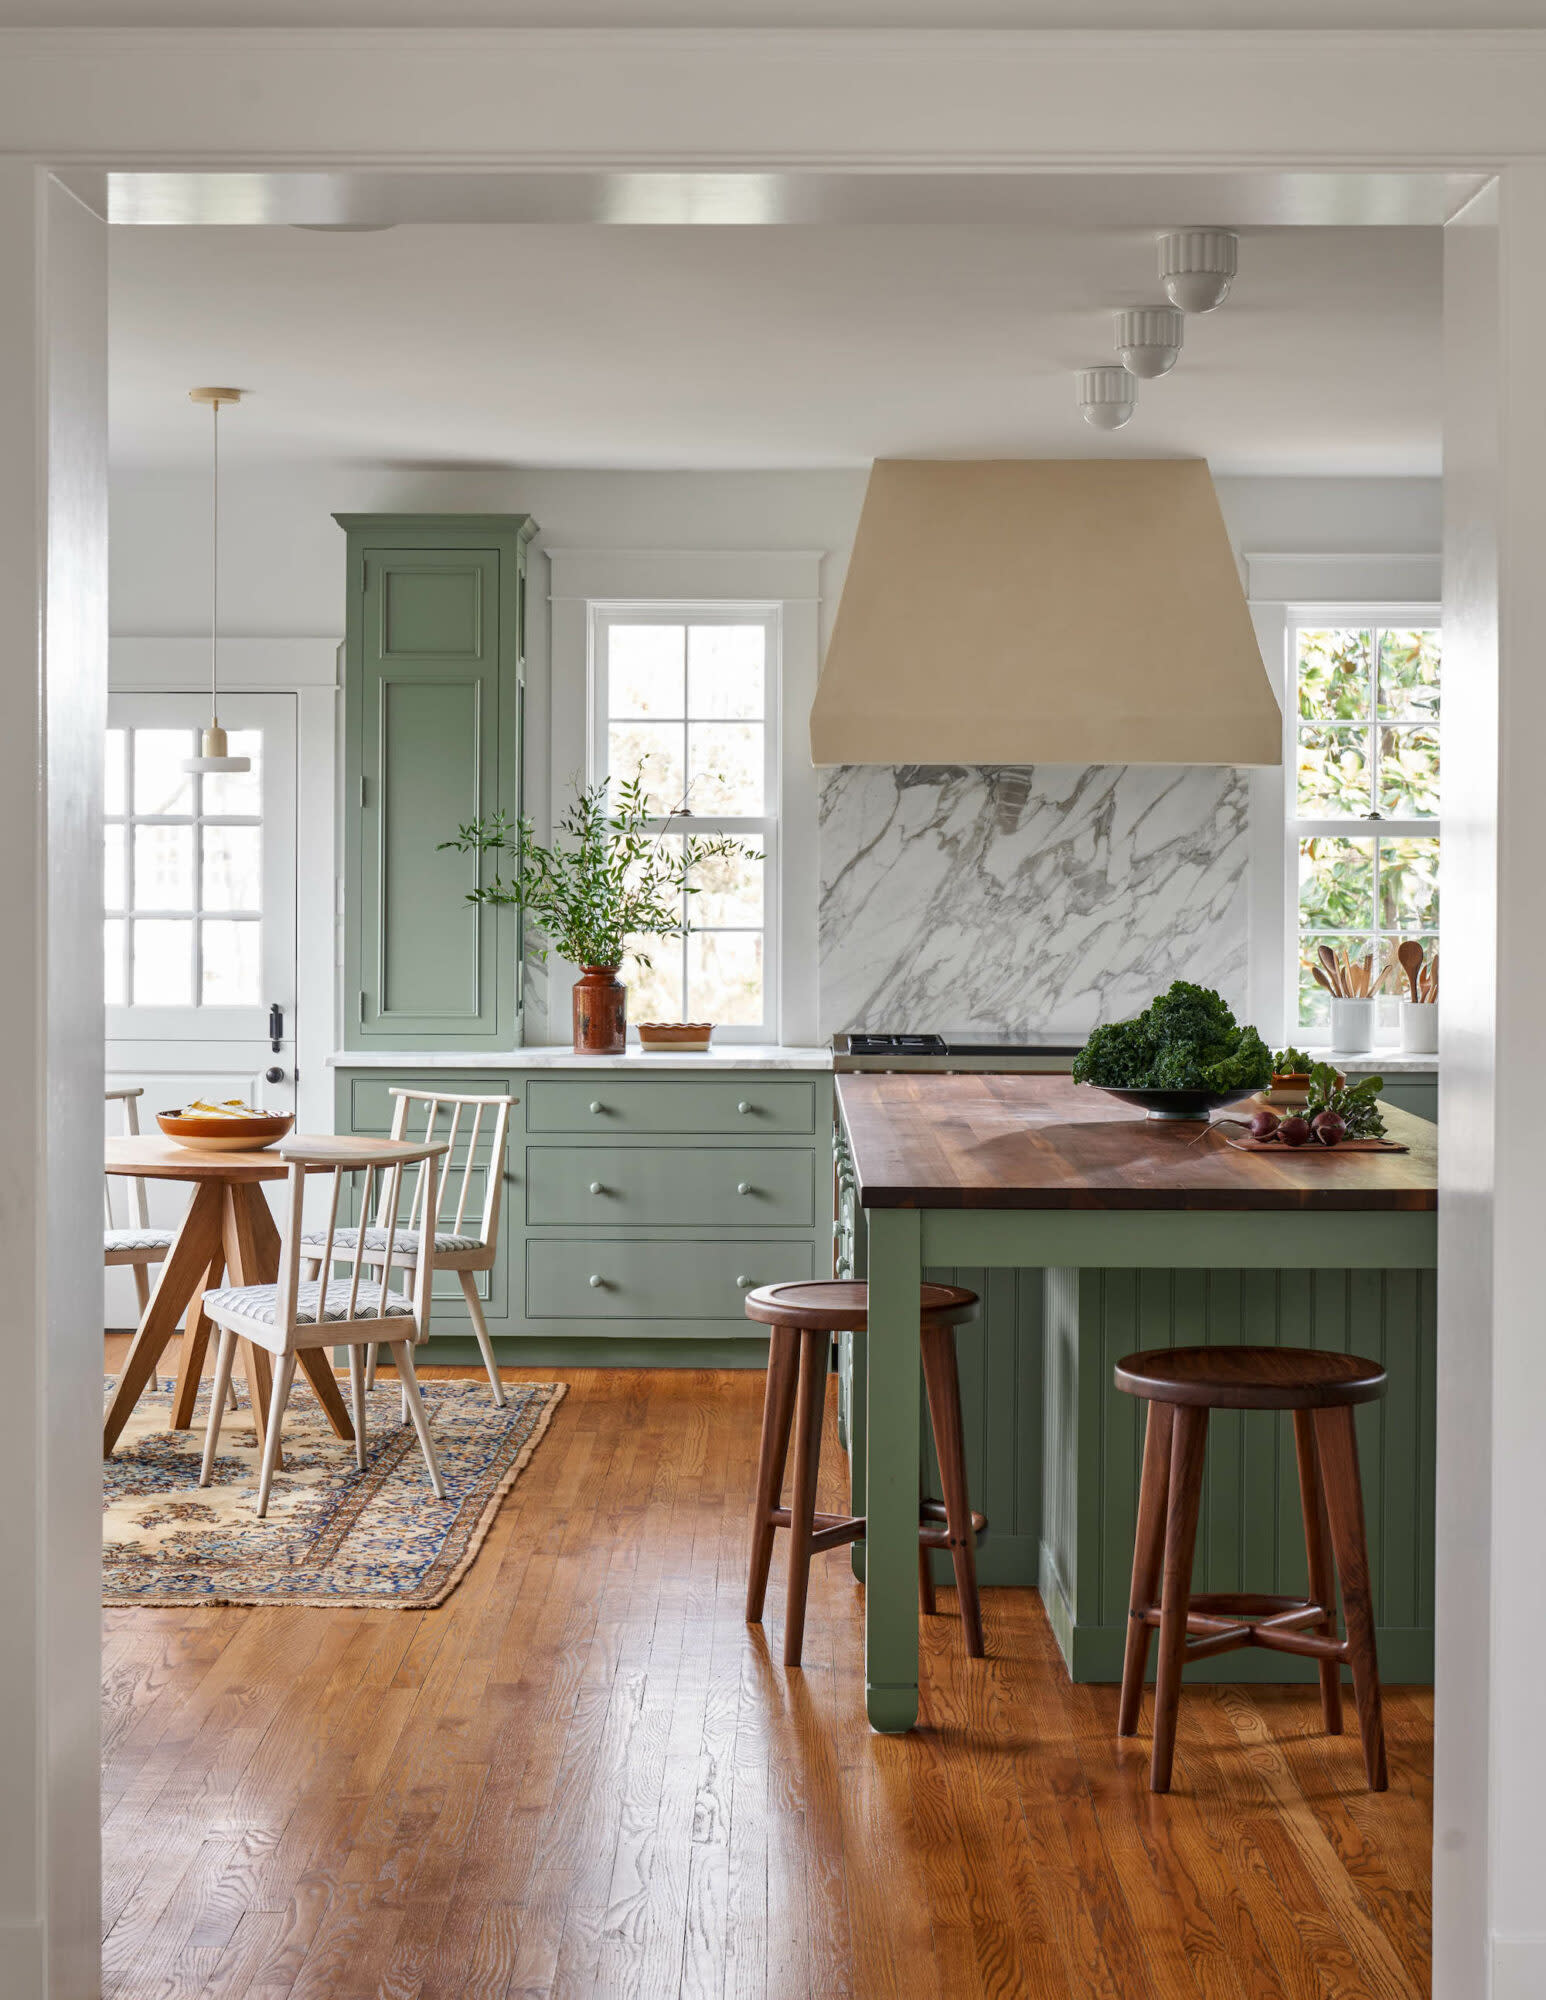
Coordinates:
<point>678,1037</point>
<point>225,1135</point>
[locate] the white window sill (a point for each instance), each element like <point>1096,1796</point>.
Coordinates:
<point>1378,1062</point>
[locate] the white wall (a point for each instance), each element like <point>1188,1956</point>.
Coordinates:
<point>282,568</point>
<point>52,710</point>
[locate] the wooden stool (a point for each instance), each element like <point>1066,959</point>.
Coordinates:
<point>804,1318</point>
<point>1181,1385</point>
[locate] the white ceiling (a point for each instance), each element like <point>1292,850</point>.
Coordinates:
<point>764,347</point>
<point>956,14</point>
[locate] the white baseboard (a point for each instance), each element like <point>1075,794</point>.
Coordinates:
<point>1518,1968</point>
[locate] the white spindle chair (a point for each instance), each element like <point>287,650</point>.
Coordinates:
<point>465,1246</point>
<point>347,1312</point>
<point>137,1243</point>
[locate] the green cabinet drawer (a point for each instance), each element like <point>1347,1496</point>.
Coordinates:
<point>730,1187</point>
<point>656,1279</point>
<point>609,1103</point>
<point>371,1104</point>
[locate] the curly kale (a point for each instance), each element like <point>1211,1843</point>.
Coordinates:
<point>1292,1062</point>
<point>1186,1039</point>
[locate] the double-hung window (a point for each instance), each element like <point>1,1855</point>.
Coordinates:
<point>1362,764</point>
<point>686,697</point>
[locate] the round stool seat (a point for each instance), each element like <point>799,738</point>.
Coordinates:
<point>842,1305</point>
<point>1251,1378</point>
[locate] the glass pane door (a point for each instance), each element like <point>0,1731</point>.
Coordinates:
<point>199,870</point>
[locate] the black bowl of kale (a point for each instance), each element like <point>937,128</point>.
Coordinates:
<point>1184,1056</point>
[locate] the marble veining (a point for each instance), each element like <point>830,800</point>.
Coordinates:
<point>1031,900</point>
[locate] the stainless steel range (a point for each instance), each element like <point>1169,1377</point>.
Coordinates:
<point>949,1052</point>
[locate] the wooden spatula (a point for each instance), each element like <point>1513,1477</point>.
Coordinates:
<point>1333,983</point>
<point>1409,954</point>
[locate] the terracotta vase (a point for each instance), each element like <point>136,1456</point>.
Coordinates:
<point>600,1012</point>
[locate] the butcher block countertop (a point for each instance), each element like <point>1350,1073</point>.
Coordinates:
<point>1045,1142</point>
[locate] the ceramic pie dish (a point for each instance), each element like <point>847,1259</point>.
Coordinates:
<point>677,1037</point>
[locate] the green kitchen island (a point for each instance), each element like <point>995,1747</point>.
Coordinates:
<point>1136,1233</point>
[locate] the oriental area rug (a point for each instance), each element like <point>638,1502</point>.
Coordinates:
<point>334,1535</point>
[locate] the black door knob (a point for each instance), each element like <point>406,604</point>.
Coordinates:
<point>275,1075</point>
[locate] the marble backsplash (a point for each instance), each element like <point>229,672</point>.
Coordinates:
<point>1027,900</point>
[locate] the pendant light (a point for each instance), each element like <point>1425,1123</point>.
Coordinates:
<point>214,753</point>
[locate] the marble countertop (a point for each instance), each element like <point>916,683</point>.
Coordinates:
<point>1378,1062</point>
<point>725,1056</point>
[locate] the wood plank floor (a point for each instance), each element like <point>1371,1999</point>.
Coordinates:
<point>585,1775</point>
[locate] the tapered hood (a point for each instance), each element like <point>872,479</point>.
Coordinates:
<point>1030,611</point>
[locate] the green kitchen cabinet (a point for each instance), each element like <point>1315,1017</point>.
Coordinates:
<point>434,690</point>
<point>638,1210</point>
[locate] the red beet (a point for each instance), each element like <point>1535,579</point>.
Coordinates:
<point>1294,1131</point>
<point>1264,1124</point>
<point>1329,1128</point>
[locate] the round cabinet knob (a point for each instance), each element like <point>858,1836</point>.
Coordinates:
<point>597,1281</point>
<point>274,1075</point>
<point>596,1104</point>
<point>743,1107</point>
<point>597,1188</point>
<point>745,1283</point>
<point>743,1187</point>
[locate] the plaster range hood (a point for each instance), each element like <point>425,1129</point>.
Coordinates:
<point>1043,611</point>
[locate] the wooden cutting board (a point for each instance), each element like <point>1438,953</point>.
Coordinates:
<point>1246,1144</point>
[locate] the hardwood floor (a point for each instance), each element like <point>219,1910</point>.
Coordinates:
<point>584,1775</point>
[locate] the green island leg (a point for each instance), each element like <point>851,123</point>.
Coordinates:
<point>893,1400</point>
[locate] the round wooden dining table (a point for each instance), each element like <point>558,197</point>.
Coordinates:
<point>227,1237</point>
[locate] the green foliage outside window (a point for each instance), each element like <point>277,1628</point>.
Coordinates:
<point>1367,733</point>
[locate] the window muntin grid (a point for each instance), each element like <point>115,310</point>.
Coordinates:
<point>694,687</point>
<point>183,868</point>
<point>1363,811</point>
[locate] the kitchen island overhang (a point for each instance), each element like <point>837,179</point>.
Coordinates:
<point>975,1172</point>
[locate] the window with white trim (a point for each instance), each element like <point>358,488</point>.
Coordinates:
<point>686,697</point>
<point>183,873</point>
<point>1362,762</point>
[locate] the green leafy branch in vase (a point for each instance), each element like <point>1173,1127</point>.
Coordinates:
<point>614,872</point>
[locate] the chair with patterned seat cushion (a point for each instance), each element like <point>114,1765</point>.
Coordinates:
<point>136,1244</point>
<point>354,1312</point>
<point>463,1247</point>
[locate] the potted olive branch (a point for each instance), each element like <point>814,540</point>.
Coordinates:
<point>609,875</point>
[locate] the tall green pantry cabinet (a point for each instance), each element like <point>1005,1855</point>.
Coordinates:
<point>433,717</point>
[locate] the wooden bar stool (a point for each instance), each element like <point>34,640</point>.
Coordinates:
<point>1181,1385</point>
<point>804,1318</point>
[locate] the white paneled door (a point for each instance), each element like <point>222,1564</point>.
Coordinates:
<point>199,916</point>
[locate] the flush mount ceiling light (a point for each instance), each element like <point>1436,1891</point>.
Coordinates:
<point>1149,339</point>
<point>1196,265</point>
<point>214,748</point>
<point>1106,396</point>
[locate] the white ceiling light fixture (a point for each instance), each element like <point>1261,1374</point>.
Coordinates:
<point>1149,339</point>
<point>1106,396</point>
<point>214,748</point>
<point>1196,266</point>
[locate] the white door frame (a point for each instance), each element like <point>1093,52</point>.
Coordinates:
<point>721,104</point>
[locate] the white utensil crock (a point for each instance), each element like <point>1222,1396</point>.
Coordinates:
<point>1352,1027</point>
<point>1419,1028</point>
